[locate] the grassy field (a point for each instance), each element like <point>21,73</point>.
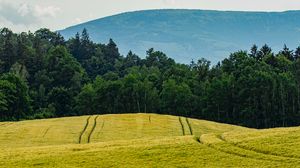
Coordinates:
<point>144,140</point>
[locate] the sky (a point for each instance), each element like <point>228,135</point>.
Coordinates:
<point>24,15</point>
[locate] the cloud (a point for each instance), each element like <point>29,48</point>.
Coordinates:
<point>179,3</point>
<point>25,14</point>
<point>21,14</point>
<point>171,2</point>
<point>77,21</point>
<point>48,11</point>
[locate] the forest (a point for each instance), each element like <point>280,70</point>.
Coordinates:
<point>45,76</point>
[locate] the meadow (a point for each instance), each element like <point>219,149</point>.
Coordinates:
<point>144,140</point>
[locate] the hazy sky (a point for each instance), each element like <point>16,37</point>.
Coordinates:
<point>23,15</point>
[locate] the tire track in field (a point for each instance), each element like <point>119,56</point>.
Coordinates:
<point>185,126</point>
<point>6,124</point>
<point>255,150</point>
<point>84,129</point>
<point>102,126</point>
<point>189,125</point>
<point>46,131</point>
<point>219,149</point>
<point>182,127</point>
<point>93,129</point>
<point>246,154</point>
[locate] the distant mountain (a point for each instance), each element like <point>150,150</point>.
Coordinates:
<point>191,34</point>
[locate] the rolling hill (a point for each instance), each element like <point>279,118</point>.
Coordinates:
<point>191,34</point>
<point>144,140</point>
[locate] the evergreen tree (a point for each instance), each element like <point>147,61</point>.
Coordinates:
<point>287,53</point>
<point>75,46</point>
<point>111,52</point>
<point>254,51</point>
<point>297,53</point>
<point>8,55</point>
<point>264,51</point>
<point>86,46</point>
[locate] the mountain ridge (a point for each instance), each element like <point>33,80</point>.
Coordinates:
<point>187,34</point>
<point>149,10</point>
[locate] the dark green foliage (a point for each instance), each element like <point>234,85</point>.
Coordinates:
<point>42,76</point>
<point>297,53</point>
<point>14,98</point>
<point>61,99</point>
<point>111,52</point>
<point>287,53</point>
<point>176,98</point>
<point>8,54</point>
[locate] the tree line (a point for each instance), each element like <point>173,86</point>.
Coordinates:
<point>43,76</point>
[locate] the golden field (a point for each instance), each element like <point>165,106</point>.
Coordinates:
<point>144,140</point>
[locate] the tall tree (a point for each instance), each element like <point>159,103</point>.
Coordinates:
<point>297,53</point>
<point>264,51</point>
<point>15,99</point>
<point>287,53</point>
<point>111,52</point>
<point>254,51</point>
<point>8,55</point>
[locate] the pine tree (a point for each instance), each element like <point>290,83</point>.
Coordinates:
<point>75,46</point>
<point>111,52</point>
<point>287,53</point>
<point>254,52</point>
<point>297,53</point>
<point>87,49</point>
<point>264,51</point>
<point>8,55</point>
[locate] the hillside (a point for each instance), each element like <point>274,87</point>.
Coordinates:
<point>146,140</point>
<point>190,34</point>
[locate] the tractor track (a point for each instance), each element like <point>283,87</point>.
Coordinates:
<point>186,126</point>
<point>247,154</point>
<point>46,131</point>
<point>224,151</point>
<point>102,126</point>
<point>6,124</point>
<point>254,150</point>
<point>189,125</point>
<point>182,127</point>
<point>93,129</point>
<point>84,129</point>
